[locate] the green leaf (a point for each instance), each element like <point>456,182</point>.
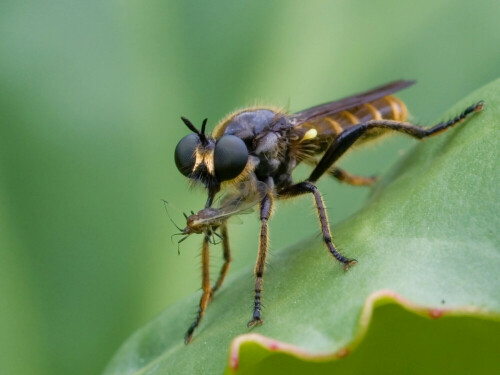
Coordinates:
<point>427,241</point>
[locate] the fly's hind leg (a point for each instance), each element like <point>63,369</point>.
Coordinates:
<point>351,179</point>
<point>308,187</point>
<point>346,177</point>
<point>226,251</point>
<point>346,139</point>
<point>205,285</point>
<point>341,144</point>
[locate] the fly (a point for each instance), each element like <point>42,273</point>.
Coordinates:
<point>253,153</point>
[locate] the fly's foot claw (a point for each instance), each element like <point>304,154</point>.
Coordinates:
<point>349,264</point>
<point>479,106</point>
<point>368,181</point>
<point>255,321</point>
<point>188,336</point>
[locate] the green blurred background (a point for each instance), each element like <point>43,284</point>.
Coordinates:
<point>90,99</point>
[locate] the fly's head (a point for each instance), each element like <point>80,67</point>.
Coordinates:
<point>210,161</point>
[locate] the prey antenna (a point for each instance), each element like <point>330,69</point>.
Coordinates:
<point>165,203</point>
<point>189,124</point>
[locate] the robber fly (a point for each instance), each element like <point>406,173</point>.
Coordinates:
<point>254,152</point>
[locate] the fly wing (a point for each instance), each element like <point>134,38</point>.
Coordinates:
<point>328,109</point>
<point>234,204</point>
<point>215,216</point>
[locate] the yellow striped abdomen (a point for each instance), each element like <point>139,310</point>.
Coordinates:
<point>327,128</point>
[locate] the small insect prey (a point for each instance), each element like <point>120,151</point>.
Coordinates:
<point>254,152</point>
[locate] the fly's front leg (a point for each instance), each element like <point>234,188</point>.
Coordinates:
<point>347,138</point>
<point>226,251</point>
<point>308,187</point>
<point>205,285</point>
<point>266,206</point>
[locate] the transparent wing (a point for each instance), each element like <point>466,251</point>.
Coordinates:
<point>328,109</point>
<point>244,197</point>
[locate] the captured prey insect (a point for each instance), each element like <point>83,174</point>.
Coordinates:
<point>254,152</point>
<point>210,218</point>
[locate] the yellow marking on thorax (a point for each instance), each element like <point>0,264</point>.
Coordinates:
<point>374,111</point>
<point>310,134</point>
<point>353,119</point>
<point>335,125</point>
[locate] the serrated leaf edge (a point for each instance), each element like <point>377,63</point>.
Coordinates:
<point>377,298</point>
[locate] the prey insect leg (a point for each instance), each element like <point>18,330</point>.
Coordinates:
<point>266,206</point>
<point>308,187</point>
<point>205,285</point>
<point>226,250</point>
<point>346,139</point>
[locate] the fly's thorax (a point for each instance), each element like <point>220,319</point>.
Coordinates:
<point>262,129</point>
<point>248,122</point>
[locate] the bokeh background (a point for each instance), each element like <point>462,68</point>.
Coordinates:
<point>90,99</point>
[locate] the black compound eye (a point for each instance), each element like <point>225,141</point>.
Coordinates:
<point>184,153</point>
<point>230,157</point>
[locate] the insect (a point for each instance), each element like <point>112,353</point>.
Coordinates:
<point>253,152</point>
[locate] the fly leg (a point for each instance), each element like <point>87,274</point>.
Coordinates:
<point>308,187</point>
<point>351,179</point>
<point>346,139</point>
<point>226,251</point>
<point>266,205</point>
<point>205,286</point>
<point>344,176</point>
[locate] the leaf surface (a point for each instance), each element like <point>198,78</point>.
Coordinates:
<point>427,241</point>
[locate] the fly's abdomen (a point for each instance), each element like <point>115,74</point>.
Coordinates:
<point>323,130</point>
